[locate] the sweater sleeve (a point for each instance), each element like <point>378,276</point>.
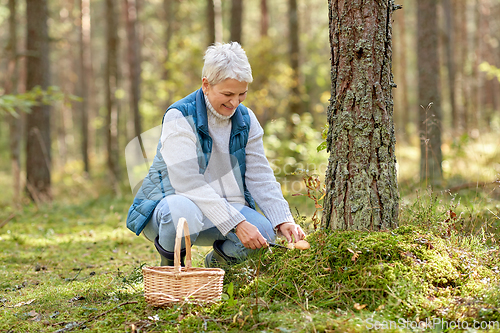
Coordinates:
<point>260,180</point>
<point>179,151</point>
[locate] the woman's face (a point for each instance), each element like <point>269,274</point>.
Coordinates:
<point>226,95</point>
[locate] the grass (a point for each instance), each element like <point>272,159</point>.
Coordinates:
<point>73,266</point>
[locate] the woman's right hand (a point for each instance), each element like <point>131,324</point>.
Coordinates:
<point>250,236</point>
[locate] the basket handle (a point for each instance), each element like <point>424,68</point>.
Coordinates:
<point>182,224</point>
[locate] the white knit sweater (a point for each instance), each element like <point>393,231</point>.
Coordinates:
<point>217,187</point>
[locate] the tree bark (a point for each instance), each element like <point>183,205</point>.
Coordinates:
<point>38,144</point>
<point>236,20</point>
<point>361,184</point>
<point>15,126</point>
<point>428,93</point>
<point>111,85</point>
<point>134,63</point>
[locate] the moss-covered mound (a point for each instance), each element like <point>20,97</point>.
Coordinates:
<point>407,271</point>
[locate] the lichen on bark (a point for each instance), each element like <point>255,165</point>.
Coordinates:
<point>361,182</point>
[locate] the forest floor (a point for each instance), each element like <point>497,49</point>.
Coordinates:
<point>73,266</point>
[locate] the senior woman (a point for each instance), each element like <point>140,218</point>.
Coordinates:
<point>210,168</point>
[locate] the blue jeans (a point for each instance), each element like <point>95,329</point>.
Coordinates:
<point>203,231</point>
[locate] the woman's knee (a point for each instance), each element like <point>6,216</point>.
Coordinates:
<point>261,222</point>
<point>180,206</point>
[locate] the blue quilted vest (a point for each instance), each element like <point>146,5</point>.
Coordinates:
<point>156,185</point>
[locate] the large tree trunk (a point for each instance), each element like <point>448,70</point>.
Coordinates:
<point>83,84</point>
<point>361,184</point>
<point>38,144</point>
<point>134,63</point>
<point>111,86</point>
<point>236,20</point>
<point>15,128</point>
<point>428,92</point>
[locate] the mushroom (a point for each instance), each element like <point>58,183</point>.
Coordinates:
<point>301,245</point>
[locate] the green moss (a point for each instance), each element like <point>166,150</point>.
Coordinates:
<point>408,270</point>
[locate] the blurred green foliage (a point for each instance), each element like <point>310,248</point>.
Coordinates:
<point>23,102</point>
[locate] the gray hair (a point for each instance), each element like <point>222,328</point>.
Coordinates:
<point>226,61</point>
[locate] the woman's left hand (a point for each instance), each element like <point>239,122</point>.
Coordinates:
<point>292,232</point>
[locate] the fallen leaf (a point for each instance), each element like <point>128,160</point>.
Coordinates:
<point>355,254</point>
<point>24,303</point>
<point>357,306</point>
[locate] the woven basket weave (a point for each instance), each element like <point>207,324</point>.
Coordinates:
<point>173,284</point>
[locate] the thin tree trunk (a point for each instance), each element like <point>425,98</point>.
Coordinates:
<point>15,129</point>
<point>461,47</point>
<point>402,83</point>
<point>487,55</point>
<point>476,49</point>
<point>211,21</point>
<point>236,20</point>
<point>361,185</point>
<point>83,84</point>
<point>293,27</point>
<point>111,86</point>
<point>450,60</point>
<point>428,93</point>
<point>169,9</point>
<point>219,38</point>
<point>264,18</point>
<point>134,63</point>
<point>38,144</point>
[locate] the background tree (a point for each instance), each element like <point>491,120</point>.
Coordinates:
<point>429,96</point>
<point>210,21</point>
<point>10,85</point>
<point>449,43</point>
<point>84,78</point>
<point>293,27</point>
<point>361,185</point>
<point>112,84</point>
<point>264,18</point>
<point>134,62</point>
<point>236,20</point>
<point>38,143</point>
<point>170,10</point>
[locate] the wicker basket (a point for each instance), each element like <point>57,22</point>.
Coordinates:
<point>173,284</point>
